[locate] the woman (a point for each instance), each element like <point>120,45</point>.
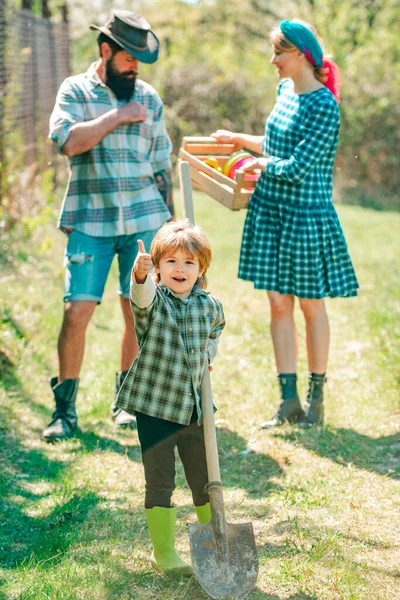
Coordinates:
<point>293,244</point>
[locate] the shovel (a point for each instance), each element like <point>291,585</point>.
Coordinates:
<point>224,555</point>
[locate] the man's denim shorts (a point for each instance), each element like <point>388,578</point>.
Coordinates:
<point>88,261</point>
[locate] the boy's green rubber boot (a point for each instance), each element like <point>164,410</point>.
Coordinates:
<point>161,524</point>
<point>203,513</point>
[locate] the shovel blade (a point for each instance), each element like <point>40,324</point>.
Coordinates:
<point>231,573</point>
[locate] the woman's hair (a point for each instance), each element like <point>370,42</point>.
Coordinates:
<point>182,235</point>
<point>279,42</point>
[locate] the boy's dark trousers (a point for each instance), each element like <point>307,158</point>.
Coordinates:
<point>158,439</point>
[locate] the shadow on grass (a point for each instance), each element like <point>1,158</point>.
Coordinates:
<point>91,441</point>
<point>76,527</point>
<point>24,487</point>
<point>46,522</point>
<point>345,446</point>
<point>25,537</point>
<point>251,472</point>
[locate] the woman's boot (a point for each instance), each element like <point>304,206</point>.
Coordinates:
<point>203,513</point>
<point>289,410</point>
<point>64,420</point>
<point>314,408</point>
<point>161,524</point>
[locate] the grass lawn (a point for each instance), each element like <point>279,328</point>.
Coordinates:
<point>324,502</point>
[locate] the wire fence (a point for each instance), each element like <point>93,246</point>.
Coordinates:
<point>34,59</point>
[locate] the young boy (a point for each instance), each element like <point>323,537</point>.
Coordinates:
<point>177,325</point>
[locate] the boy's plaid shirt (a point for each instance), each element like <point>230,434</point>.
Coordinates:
<point>175,337</point>
<point>111,189</point>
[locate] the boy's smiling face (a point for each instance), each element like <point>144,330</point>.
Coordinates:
<point>179,271</point>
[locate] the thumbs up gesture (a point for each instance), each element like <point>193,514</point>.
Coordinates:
<point>142,265</point>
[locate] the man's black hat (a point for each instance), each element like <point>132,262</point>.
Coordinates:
<point>133,33</point>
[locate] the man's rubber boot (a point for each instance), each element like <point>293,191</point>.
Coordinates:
<point>161,524</point>
<point>314,407</point>
<point>64,420</point>
<point>203,513</point>
<point>289,410</point>
<point>120,417</point>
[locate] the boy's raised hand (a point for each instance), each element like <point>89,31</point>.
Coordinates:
<point>142,265</point>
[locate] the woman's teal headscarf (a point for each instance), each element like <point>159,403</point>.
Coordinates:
<point>304,39</point>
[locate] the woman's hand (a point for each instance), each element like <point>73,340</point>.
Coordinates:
<point>223,136</point>
<point>142,265</point>
<point>258,164</point>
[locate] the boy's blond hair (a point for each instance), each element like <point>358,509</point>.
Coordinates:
<point>182,235</point>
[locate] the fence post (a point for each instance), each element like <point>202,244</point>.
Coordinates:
<point>2,93</point>
<point>26,43</point>
<point>34,59</point>
<point>65,58</point>
<point>46,12</point>
<point>54,85</point>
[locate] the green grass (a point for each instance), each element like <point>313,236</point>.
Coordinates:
<point>324,502</point>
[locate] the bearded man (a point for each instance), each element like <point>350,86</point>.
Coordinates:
<point>111,127</point>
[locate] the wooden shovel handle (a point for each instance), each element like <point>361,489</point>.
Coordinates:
<point>186,190</point>
<point>210,436</point>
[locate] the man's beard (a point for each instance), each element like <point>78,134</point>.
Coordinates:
<point>121,84</point>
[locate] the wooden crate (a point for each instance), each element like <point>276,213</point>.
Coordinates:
<point>233,193</point>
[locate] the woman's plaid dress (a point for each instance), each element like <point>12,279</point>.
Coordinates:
<point>292,240</point>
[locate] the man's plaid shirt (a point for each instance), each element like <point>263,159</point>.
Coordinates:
<point>111,189</point>
<point>175,337</point>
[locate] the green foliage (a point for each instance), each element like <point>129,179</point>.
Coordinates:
<point>213,72</point>
<point>367,51</point>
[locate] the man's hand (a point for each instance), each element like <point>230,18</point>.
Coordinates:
<point>142,265</point>
<point>85,136</point>
<point>133,112</point>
